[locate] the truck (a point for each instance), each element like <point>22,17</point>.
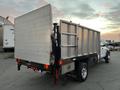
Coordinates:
<point>6,36</point>
<point>59,48</point>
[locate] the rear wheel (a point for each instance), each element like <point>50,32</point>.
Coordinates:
<point>5,50</point>
<point>82,71</point>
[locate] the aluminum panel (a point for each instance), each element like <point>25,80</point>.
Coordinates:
<point>68,39</point>
<point>64,40</point>
<point>72,29</point>
<point>68,67</point>
<point>32,35</point>
<point>72,40</point>
<point>78,40</point>
<point>95,41</point>
<point>80,37</point>
<point>90,41</point>
<point>1,36</point>
<point>98,43</point>
<point>85,41</point>
<point>72,51</point>
<point>64,28</point>
<point>93,38</point>
<point>64,52</point>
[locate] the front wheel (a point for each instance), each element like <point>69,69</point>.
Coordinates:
<point>82,71</point>
<point>107,57</point>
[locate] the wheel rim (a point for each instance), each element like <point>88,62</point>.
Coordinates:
<point>109,57</point>
<point>84,72</point>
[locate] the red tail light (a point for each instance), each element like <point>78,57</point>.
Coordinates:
<point>46,66</point>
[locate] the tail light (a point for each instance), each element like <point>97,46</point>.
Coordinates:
<point>46,66</point>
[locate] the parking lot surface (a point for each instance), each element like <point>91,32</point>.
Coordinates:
<point>101,77</point>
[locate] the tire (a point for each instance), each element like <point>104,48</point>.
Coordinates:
<point>82,71</point>
<point>5,50</point>
<point>95,60</point>
<point>107,57</point>
<point>106,61</point>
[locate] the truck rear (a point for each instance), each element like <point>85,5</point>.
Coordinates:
<point>59,48</point>
<point>7,36</point>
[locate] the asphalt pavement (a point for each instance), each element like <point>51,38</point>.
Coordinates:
<point>101,77</point>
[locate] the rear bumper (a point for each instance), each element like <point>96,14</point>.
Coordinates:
<point>32,65</point>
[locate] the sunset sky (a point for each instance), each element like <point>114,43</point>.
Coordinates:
<point>102,15</point>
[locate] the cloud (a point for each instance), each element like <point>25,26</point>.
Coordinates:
<point>72,8</point>
<point>14,8</point>
<point>84,11</point>
<point>22,5</point>
<point>78,9</point>
<point>113,26</point>
<point>75,8</point>
<point>114,16</point>
<point>11,12</point>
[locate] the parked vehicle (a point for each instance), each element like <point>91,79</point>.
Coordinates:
<point>59,48</point>
<point>6,36</point>
<point>105,53</point>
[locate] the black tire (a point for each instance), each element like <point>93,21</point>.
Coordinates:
<point>107,57</point>
<point>81,71</point>
<point>106,61</point>
<point>5,50</point>
<point>95,60</point>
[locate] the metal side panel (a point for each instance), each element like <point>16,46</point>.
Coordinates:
<point>95,41</point>
<point>1,36</point>
<point>90,42</point>
<point>68,67</point>
<point>85,41</point>
<point>80,41</point>
<point>68,39</point>
<point>32,35</point>
<point>98,43</point>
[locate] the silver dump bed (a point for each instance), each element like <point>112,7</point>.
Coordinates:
<point>33,37</point>
<point>77,40</point>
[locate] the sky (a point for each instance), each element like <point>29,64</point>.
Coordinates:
<point>101,15</point>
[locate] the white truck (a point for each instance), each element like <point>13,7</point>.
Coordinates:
<point>59,48</point>
<point>7,36</point>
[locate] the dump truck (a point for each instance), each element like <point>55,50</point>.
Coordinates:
<point>6,37</point>
<point>59,48</point>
